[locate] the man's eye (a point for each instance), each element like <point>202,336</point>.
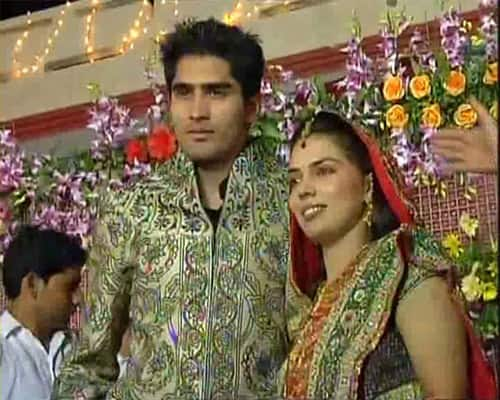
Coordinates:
<point>216,92</point>
<point>181,91</point>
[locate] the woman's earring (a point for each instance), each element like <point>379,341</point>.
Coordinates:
<point>368,213</point>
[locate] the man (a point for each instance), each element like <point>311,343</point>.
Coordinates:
<point>41,277</point>
<point>470,151</point>
<point>198,253</point>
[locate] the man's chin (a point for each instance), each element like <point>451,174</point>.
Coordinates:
<point>206,158</point>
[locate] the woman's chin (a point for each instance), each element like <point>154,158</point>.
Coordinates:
<point>314,235</point>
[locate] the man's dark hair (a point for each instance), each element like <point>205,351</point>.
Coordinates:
<point>213,38</point>
<point>344,135</point>
<point>44,252</point>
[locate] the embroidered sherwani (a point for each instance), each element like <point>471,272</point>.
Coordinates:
<point>207,303</point>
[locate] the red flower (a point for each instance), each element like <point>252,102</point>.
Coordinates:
<point>136,150</point>
<point>162,143</point>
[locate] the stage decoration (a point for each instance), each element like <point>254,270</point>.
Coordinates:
<point>61,193</point>
<point>139,29</point>
<point>477,267</point>
<point>403,97</point>
<point>38,60</point>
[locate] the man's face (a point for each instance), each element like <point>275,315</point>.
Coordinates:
<point>59,298</point>
<point>208,111</point>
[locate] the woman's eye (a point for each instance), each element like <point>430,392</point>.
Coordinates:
<point>325,171</point>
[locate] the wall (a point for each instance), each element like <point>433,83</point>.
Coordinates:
<point>323,24</point>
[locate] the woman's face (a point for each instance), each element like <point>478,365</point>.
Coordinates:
<point>327,190</point>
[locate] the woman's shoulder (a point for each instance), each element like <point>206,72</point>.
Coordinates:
<point>426,259</point>
<point>418,252</point>
<point>421,247</point>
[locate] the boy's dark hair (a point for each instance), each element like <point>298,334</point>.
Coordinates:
<point>44,252</point>
<point>344,135</point>
<point>213,38</point>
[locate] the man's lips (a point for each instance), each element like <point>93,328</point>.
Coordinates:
<point>200,132</point>
<point>200,135</point>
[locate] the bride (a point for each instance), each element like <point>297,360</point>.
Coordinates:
<point>380,321</point>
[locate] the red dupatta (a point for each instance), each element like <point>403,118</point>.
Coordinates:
<point>308,271</point>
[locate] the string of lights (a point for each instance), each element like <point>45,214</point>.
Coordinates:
<point>242,11</point>
<point>137,29</point>
<point>39,59</point>
<point>89,37</point>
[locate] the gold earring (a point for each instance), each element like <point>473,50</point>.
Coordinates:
<point>368,213</point>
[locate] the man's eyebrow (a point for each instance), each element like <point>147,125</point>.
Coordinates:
<point>206,85</point>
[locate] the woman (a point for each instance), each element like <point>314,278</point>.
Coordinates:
<point>384,324</point>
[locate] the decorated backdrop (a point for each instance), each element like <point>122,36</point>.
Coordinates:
<point>403,99</point>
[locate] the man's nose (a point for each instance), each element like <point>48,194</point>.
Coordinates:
<point>200,108</point>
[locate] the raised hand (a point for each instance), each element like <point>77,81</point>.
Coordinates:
<point>471,150</point>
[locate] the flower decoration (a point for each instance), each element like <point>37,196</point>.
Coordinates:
<point>136,150</point>
<point>60,193</point>
<point>397,117</point>
<point>465,116</point>
<point>456,83</point>
<point>468,225</point>
<point>420,86</point>
<point>402,104</point>
<point>453,245</point>
<point>432,116</point>
<point>393,88</point>
<point>161,144</point>
<point>477,266</point>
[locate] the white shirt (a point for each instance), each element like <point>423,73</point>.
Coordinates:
<point>27,371</point>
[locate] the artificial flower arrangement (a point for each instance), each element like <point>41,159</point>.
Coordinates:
<point>404,97</point>
<point>61,193</point>
<point>477,265</point>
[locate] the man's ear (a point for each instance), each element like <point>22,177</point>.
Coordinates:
<point>252,109</point>
<point>31,285</point>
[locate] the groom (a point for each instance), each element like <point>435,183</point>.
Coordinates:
<point>197,255</point>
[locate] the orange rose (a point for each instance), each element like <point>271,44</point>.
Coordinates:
<point>396,117</point>
<point>420,86</point>
<point>491,75</point>
<point>494,110</point>
<point>431,116</point>
<point>455,84</point>
<point>393,88</point>
<point>465,116</point>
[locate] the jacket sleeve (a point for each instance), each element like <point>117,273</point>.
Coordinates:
<point>92,368</point>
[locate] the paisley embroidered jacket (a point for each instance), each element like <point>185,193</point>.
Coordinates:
<point>207,305</point>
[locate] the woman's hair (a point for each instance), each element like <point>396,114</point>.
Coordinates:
<point>343,134</point>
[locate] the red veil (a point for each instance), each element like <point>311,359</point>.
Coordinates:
<point>307,269</point>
